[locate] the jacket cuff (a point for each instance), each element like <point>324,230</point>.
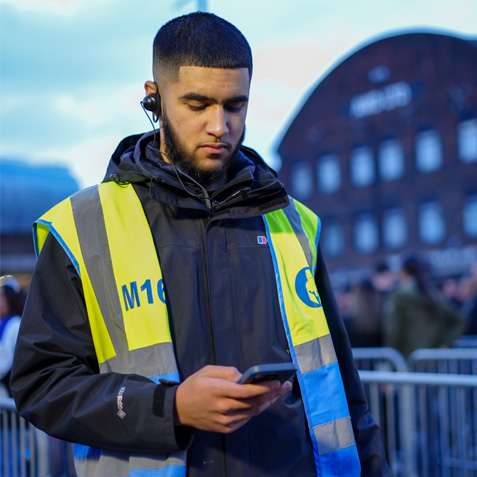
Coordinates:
<point>164,404</point>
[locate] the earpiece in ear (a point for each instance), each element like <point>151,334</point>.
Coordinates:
<point>152,102</point>
<point>149,102</point>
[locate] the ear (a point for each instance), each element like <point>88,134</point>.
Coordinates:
<point>152,92</point>
<point>150,87</point>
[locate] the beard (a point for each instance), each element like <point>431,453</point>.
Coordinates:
<point>179,158</point>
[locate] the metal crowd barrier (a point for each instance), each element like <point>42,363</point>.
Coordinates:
<point>379,359</point>
<point>444,360</point>
<point>426,408</point>
<point>25,451</point>
<point>428,420</point>
<point>465,341</point>
<point>23,446</point>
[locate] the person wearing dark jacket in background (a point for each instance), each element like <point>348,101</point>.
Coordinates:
<point>364,329</point>
<point>155,290</point>
<point>416,314</point>
<point>12,301</point>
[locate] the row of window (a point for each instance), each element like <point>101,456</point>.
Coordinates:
<point>390,161</point>
<point>395,230</point>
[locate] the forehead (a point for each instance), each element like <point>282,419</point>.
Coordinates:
<point>218,83</point>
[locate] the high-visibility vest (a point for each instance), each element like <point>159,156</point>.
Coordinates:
<point>129,320</point>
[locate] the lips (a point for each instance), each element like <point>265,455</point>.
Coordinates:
<point>214,147</point>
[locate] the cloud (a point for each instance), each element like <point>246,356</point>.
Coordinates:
<point>55,7</point>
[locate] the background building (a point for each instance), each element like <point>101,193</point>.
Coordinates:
<point>385,151</point>
<point>26,192</point>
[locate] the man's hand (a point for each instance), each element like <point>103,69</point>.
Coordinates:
<point>211,399</point>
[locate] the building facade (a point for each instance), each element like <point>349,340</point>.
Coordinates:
<point>385,151</point>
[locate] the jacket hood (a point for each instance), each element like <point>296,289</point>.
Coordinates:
<point>136,160</point>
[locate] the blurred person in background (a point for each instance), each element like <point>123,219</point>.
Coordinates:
<point>450,291</point>
<point>365,328</point>
<point>12,301</point>
<point>467,295</point>
<point>416,316</point>
<point>383,279</point>
<point>369,296</point>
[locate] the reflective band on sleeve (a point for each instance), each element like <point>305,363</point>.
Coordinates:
<point>334,435</point>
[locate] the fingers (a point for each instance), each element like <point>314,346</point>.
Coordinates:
<point>228,373</point>
<point>244,410</point>
<point>212,400</point>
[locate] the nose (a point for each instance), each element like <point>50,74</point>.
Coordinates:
<point>217,121</point>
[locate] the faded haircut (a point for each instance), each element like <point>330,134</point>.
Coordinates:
<point>199,39</point>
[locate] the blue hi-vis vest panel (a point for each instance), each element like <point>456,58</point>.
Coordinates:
<point>112,298</point>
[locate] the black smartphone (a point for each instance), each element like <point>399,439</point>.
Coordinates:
<point>268,372</point>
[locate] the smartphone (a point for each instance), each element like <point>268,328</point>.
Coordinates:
<point>268,372</point>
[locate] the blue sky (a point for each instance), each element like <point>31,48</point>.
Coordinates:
<point>72,71</point>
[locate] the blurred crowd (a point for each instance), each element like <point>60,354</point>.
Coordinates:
<point>12,301</point>
<point>407,310</point>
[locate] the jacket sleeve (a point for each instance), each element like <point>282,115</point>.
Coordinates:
<point>56,382</point>
<point>366,431</point>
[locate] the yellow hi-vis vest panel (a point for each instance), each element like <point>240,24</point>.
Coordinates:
<point>293,235</point>
<point>117,286</point>
<point>99,229</point>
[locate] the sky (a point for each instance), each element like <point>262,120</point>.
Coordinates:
<point>72,72</point>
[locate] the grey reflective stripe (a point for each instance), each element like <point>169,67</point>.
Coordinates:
<point>294,218</point>
<point>334,435</point>
<point>315,354</point>
<point>93,241</point>
<point>155,360</point>
<point>122,463</point>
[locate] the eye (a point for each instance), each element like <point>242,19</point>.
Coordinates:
<point>234,107</point>
<point>197,107</point>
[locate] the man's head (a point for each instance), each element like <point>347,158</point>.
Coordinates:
<point>202,67</point>
<point>199,39</point>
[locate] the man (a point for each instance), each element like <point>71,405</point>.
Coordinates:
<point>157,289</point>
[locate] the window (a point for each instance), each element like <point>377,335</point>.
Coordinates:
<point>365,233</point>
<point>394,228</point>
<point>467,140</point>
<point>431,223</point>
<point>329,174</point>
<point>391,160</point>
<point>470,216</point>
<point>362,166</point>
<point>301,181</point>
<point>333,240</point>
<point>428,151</point>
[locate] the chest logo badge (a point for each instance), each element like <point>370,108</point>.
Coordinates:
<point>306,289</point>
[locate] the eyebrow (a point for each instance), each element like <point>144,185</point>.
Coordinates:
<point>200,97</point>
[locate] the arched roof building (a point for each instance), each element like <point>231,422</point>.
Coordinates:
<point>385,151</point>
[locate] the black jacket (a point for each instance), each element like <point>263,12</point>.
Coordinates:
<point>223,309</point>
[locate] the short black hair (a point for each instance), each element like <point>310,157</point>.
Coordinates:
<point>200,39</point>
